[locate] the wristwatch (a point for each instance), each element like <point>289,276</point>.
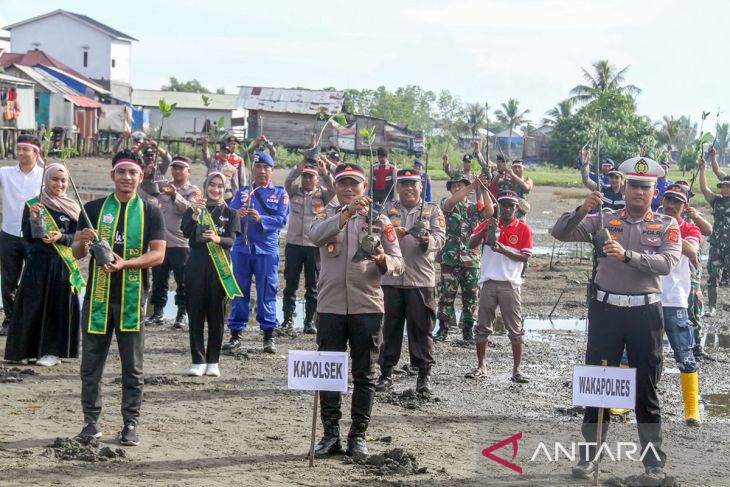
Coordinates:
<point>627,257</point>
<point>346,212</point>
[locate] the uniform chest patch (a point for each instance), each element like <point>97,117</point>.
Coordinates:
<point>390,233</point>
<point>615,222</point>
<point>513,239</point>
<point>673,234</point>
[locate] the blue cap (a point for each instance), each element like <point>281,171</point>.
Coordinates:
<point>418,161</point>
<point>263,157</point>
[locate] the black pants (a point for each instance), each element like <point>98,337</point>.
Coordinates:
<point>296,257</point>
<point>364,334</point>
<point>416,309</point>
<point>13,251</point>
<point>640,329</point>
<point>175,259</point>
<point>206,301</point>
<point>95,349</point>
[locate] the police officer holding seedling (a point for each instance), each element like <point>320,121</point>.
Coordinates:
<point>410,298</point>
<point>356,250</point>
<point>634,248</point>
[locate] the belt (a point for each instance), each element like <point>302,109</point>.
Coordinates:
<point>627,300</point>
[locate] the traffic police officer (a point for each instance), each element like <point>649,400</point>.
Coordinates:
<point>625,308</point>
<point>411,297</point>
<point>264,210</point>
<point>307,200</point>
<point>350,301</point>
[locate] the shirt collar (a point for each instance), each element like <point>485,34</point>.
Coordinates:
<point>512,224</point>
<point>648,216</point>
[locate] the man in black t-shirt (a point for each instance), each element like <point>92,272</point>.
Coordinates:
<point>116,292</point>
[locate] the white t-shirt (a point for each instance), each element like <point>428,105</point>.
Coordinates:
<point>17,188</point>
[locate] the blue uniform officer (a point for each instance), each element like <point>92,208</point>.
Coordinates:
<point>264,211</point>
<point>425,180</point>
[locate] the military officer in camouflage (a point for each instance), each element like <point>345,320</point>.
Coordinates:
<point>719,257</point>
<point>459,263</point>
<point>410,298</point>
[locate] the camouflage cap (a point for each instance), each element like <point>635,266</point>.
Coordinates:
<point>456,177</point>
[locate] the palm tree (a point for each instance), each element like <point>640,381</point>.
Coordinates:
<point>511,116</point>
<point>604,78</point>
<point>562,110</point>
<point>668,133</point>
<point>475,118</point>
<point>723,141</point>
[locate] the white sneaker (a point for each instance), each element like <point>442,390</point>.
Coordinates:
<point>48,361</point>
<point>197,370</point>
<point>212,370</point>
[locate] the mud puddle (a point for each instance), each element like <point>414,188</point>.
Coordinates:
<point>9,375</point>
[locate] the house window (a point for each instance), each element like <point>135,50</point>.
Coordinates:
<point>114,63</point>
<point>86,59</point>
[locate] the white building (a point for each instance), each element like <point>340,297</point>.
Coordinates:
<point>84,44</point>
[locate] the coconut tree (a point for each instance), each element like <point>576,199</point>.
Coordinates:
<point>511,116</point>
<point>560,111</point>
<point>603,79</point>
<point>668,132</point>
<point>475,118</point>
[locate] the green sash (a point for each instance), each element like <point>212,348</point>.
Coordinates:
<point>220,260</point>
<point>131,278</point>
<point>75,278</point>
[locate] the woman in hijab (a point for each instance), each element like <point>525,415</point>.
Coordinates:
<point>211,228</point>
<point>47,316</point>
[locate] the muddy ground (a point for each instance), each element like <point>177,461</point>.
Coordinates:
<point>246,428</point>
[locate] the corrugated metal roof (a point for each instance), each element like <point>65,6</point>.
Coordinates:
<point>151,98</point>
<point>46,80</point>
<point>17,81</point>
<point>82,101</point>
<point>37,58</point>
<point>289,100</point>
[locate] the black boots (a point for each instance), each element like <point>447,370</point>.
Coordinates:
<point>385,381</point>
<point>309,327</point>
<point>467,332</point>
<point>269,345</point>
<point>356,439</point>
<point>156,318</point>
<point>234,342</point>
<point>442,332</point>
<point>181,319</point>
<point>423,384</point>
<point>288,323</point>
<point>330,442</point>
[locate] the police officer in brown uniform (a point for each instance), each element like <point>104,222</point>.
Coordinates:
<point>350,300</point>
<point>625,308</point>
<point>411,297</point>
<point>307,199</point>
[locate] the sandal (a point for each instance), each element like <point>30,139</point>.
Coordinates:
<point>475,374</point>
<point>519,378</point>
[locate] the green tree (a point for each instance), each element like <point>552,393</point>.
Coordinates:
<point>604,78</point>
<point>512,117</point>
<point>476,118</point>
<point>561,110</point>
<point>192,86</point>
<point>668,133</point>
<point>623,132</point>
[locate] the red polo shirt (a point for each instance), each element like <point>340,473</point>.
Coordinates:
<point>498,267</point>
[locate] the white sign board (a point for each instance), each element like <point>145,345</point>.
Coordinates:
<point>604,387</point>
<point>318,371</point>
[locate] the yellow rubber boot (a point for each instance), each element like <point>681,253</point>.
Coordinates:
<point>620,411</point>
<point>691,395</point>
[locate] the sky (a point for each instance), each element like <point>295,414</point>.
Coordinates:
<point>481,51</point>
